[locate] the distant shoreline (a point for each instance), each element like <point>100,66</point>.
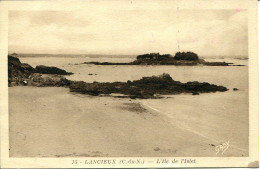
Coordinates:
<point>179,59</point>
<point>21,55</point>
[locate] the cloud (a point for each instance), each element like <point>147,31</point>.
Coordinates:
<point>131,31</point>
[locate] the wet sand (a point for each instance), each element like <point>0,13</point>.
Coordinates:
<point>52,122</point>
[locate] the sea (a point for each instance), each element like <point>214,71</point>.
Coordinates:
<point>219,117</point>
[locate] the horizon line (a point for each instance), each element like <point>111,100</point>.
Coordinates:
<point>118,54</point>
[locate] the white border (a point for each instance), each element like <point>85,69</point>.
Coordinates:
<point>251,5</point>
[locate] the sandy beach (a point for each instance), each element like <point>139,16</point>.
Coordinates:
<point>53,122</point>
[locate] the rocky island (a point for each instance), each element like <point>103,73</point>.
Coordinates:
<point>180,59</point>
<point>147,87</point>
<point>21,74</point>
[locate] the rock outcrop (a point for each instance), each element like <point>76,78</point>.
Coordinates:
<point>51,70</point>
<point>147,87</point>
<point>18,73</point>
<point>21,74</point>
<point>46,80</point>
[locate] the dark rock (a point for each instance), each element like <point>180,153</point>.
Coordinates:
<point>145,88</point>
<point>90,74</point>
<point>18,72</point>
<point>23,74</point>
<point>47,80</point>
<point>195,93</point>
<point>235,89</point>
<point>51,70</point>
<point>164,78</point>
<point>237,65</point>
<point>217,64</point>
<point>108,63</point>
<point>156,149</point>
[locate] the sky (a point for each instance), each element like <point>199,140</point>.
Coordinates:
<point>129,31</point>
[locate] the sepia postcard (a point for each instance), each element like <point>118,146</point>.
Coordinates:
<point>129,83</point>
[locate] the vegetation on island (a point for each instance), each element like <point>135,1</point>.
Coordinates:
<point>179,59</point>
<point>153,56</point>
<point>186,56</point>
<point>178,56</point>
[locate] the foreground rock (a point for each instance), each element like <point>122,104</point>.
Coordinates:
<point>20,74</point>
<point>46,80</point>
<point>147,87</point>
<point>180,59</point>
